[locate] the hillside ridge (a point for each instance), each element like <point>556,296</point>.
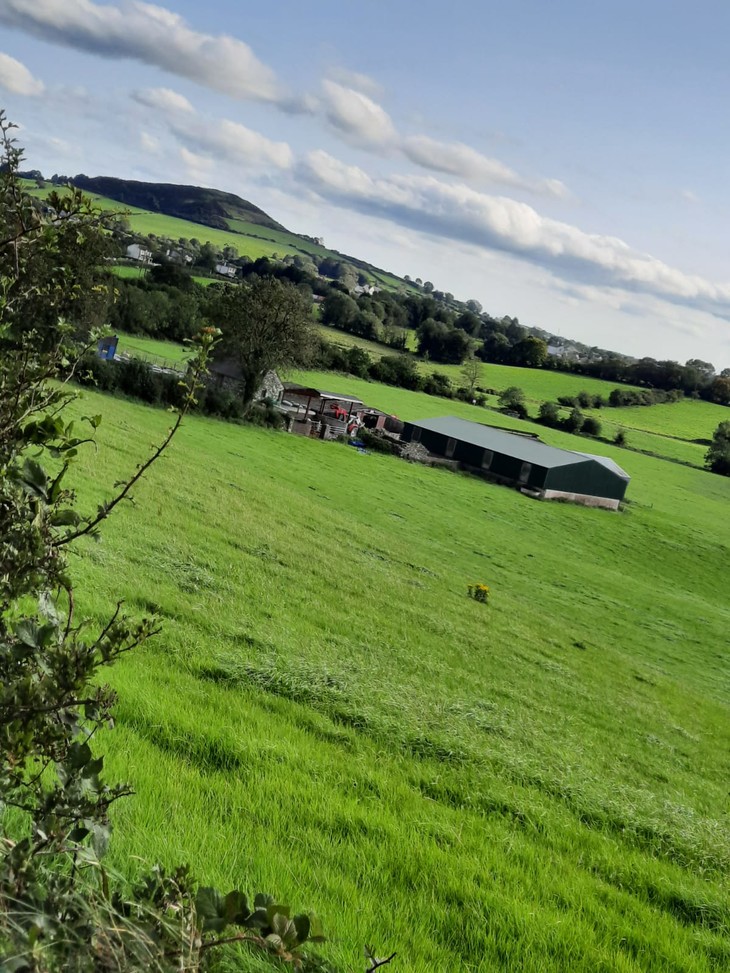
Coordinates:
<point>209,207</point>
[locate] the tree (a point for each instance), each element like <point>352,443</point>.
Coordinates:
<point>531,352</point>
<point>266,324</point>
<point>469,322</point>
<point>549,414</point>
<point>574,421</point>
<point>474,306</point>
<point>339,310</point>
<point>717,457</point>
<point>496,348</point>
<point>471,372</point>
<point>207,257</point>
<point>720,390</point>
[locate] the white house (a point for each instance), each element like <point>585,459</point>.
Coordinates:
<point>225,270</point>
<point>568,352</point>
<point>137,252</point>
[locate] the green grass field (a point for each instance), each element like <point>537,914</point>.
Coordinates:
<point>700,418</point>
<point>538,785</point>
<point>137,273</point>
<point>138,346</point>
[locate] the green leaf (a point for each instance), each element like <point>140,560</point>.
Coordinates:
<point>211,909</point>
<point>79,755</point>
<point>316,929</point>
<point>259,919</point>
<point>33,478</point>
<point>274,910</point>
<point>274,942</point>
<point>237,910</point>
<point>302,924</point>
<point>262,901</point>
<point>65,518</point>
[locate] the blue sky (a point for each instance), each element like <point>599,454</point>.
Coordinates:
<point>562,162</point>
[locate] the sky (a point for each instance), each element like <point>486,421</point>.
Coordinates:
<point>565,163</point>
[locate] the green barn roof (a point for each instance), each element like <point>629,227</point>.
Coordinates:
<point>525,448</point>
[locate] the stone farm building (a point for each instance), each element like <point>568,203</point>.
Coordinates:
<point>522,461</point>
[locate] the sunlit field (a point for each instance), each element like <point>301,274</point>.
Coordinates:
<point>539,783</point>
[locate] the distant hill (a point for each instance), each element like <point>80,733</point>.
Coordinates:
<point>210,207</point>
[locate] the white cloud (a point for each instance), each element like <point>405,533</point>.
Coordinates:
<point>356,116</point>
<point>231,141</point>
<point>364,122</point>
<point>16,78</point>
<point>498,223</point>
<point>357,80</point>
<point>458,159</point>
<point>149,143</point>
<point>162,99</point>
<point>197,166</point>
<point>150,34</point>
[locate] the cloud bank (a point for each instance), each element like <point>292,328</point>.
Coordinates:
<point>461,213</point>
<point>148,33</point>
<point>16,78</point>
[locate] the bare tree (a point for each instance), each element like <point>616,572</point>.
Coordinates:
<point>471,372</point>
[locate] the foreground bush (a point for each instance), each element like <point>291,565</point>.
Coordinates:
<point>60,908</point>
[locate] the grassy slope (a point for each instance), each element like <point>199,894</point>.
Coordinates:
<point>139,346</point>
<point>537,785</point>
<point>249,239</point>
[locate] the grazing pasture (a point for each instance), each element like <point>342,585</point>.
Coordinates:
<point>539,783</point>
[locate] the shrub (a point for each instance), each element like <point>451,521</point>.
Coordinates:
<point>575,421</point>
<point>511,397</point>
<point>717,458</point>
<point>438,384</point>
<point>591,426</point>
<point>264,414</point>
<point>378,443</point>
<point>549,414</point>
<point>479,592</point>
<point>620,438</point>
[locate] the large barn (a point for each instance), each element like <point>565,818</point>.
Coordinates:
<point>522,461</point>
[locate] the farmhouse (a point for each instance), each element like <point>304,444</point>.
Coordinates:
<point>225,269</point>
<point>522,461</point>
<point>137,252</point>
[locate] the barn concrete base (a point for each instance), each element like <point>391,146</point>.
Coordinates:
<point>585,498</point>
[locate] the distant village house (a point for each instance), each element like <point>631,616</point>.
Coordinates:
<point>226,270</point>
<point>137,252</point>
